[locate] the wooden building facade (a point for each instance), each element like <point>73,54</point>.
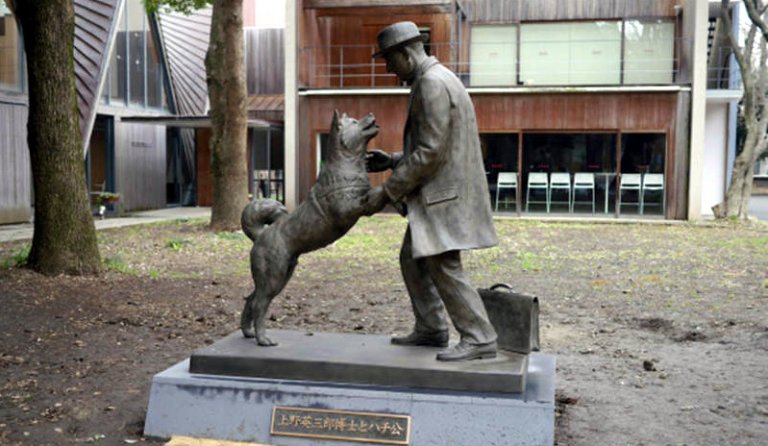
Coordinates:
<point>135,75</point>
<point>619,107</point>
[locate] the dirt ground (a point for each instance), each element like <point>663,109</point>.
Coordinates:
<point>660,331</point>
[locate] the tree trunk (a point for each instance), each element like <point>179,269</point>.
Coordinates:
<point>227,93</point>
<point>64,238</point>
<point>736,203</point>
<point>754,75</point>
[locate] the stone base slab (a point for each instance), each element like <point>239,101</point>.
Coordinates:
<point>357,359</point>
<point>240,408</point>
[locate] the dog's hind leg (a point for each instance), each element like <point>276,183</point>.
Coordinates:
<point>259,304</point>
<point>246,318</point>
<point>273,281</point>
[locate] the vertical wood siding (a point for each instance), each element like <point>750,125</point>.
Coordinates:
<point>677,193</point>
<point>15,170</point>
<point>204,177</point>
<point>614,112</point>
<point>265,61</point>
<point>390,114</point>
<point>490,11</point>
<point>355,3</point>
<point>140,151</point>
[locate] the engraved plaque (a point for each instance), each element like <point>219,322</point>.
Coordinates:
<point>366,427</point>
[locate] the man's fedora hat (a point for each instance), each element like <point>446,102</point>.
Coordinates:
<point>396,35</point>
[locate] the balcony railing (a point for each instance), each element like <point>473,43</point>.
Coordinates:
<point>351,66</point>
<point>722,70</point>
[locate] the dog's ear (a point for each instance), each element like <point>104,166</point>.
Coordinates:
<point>335,127</point>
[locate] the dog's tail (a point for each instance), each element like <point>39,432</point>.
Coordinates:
<point>260,213</point>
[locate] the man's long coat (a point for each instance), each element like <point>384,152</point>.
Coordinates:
<point>440,177</point>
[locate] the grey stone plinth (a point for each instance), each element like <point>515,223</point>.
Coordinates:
<point>357,359</point>
<point>240,408</point>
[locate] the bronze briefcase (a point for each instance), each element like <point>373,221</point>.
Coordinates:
<point>515,316</point>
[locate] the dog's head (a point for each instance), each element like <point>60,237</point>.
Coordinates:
<point>350,135</point>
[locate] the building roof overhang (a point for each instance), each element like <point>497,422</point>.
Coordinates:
<point>724,96</point>
<point>271,102</point>
<point>504,90</point>
<point>318,4</point>
<point>189,121</point>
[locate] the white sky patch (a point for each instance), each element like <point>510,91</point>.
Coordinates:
<point>270,14</point>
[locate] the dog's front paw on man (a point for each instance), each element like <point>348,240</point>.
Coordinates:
<point>375,200</point>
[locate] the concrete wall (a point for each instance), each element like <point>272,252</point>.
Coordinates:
<point>695,17</point>
<point>291,102</point>
<point>714,156</point>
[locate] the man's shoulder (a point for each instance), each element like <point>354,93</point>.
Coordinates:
<point>438,80</point>
<point>438,71</point>
<point>439,74</point>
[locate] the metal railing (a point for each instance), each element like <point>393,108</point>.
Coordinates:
<point>722,70</point>
<point>351,66</point>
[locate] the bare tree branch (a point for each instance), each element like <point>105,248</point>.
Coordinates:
<point>756,10</point>
<point>741,60</point>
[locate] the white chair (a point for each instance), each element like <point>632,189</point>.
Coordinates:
<point>653,182</point>
<point>506,180</point>
<point>583,181</point>
<point>630,182</point>
<point>537,180</point>
<point>560,182</point>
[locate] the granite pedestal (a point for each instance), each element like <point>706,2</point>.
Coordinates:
<point>229,389</point>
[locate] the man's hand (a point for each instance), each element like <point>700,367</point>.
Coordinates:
<point>377,161</point>
<point>375,201</point>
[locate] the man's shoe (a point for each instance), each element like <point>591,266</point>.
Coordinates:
<point>464,352</point>
<point>436,339</point>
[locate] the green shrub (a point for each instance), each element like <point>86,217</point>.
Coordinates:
<point>116,264</point>
<point>176,244</point>
<point>18,258</point>
<point>231,235</point>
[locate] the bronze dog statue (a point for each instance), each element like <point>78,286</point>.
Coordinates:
<point>333,206</point>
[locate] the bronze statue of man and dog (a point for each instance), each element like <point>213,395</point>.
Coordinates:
<point>437,181</point>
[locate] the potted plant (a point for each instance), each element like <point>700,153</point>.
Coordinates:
<point>105,198</point>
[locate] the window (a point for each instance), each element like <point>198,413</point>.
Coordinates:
<point>426,35</point>
<point>643,152</point>
<point>322,150</point>
<point>500,152</point>
<point>643,161</point>
<point>579,53</point>
<point>11,52</point>
<point>649,50</point>
<point>544,53</point>
<point>135,71</point>
<point>267,163</point>
<point>573,53</point>
<point>116,88</point>
<point>595,53</point>
<point>593,154</point>
<point>136,52</point>
<point>493,55</point>
<point>155,85</point>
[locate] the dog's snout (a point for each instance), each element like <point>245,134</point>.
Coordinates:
<point>369,121</point>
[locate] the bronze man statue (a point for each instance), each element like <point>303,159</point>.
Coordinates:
<point>438,181</point>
